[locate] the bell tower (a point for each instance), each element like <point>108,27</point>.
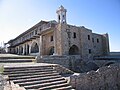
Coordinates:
<point>61,14</point>
<point>61,46</point>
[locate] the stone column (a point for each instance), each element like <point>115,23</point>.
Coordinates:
<point>18,50</point>
<point>40,48</point>
<point>26,49</point>
<point>30,48</point>
<point>23,49</point>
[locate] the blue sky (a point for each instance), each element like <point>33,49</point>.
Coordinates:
<point>102,16</point>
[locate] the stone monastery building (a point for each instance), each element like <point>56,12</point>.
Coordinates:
<point>59,38</point>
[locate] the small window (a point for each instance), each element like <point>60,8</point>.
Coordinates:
<point>89,51</point>
<point>59,17</point>
<point>93,40</point>
<point>88,37</point>
<point>63,16</point>
<point>51,38</point>
<point>74,35</point>
<point>97,40</point>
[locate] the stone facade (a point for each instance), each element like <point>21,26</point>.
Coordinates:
<point>60,38</point>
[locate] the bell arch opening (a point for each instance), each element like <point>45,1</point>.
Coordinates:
<point>74,50</point>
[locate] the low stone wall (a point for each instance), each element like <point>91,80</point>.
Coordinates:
<point>72,62</point>
<point>69,62</point>
<point>105,78</point>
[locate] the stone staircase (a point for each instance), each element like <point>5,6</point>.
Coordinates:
<point>10,58</point>
<point>36,77</point>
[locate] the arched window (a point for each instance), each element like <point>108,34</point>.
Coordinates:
<point>88,37</point>
<point>74,50</point>
<point>35,48</point>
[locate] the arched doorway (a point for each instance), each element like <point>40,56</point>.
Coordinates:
<point>27,52</point>
<point>74,50</point>
<point>16,50</point>
<point>51,51</point>
<point>34,48</point>
<point>21,50</point>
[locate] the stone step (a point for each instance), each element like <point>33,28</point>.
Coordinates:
<point>40,81</point>
<point>15,60</point>
<point>28,71</point>
<point>33,76</point>
<point>28,74</point>
<point>16,68</point>
<point>36,86</point>
<point>20,70</point>
<point>51,87</point>
<point>16,57</point>
<point>34,79</point>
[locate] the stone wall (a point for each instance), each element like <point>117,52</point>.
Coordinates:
<point>97,44</point>
<point>70,62</point>
<point>86,43</point>
<point>105,78</point>
<point>47,43</point>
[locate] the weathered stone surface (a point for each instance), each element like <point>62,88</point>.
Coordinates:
<point>2,82</point>
<point>62,70</point>
<point>105,78</point>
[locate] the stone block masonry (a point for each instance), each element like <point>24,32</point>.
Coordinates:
<point>60,38</point>
<point>70,62</point>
